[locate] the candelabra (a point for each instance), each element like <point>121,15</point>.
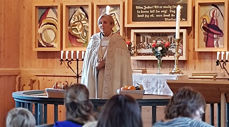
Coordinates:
<point>176,70</point>
<point>222,64</point>
<point>69,62</point>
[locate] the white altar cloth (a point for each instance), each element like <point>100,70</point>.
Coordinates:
<point>154,83</point>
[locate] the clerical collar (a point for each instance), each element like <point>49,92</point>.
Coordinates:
<point>102,35</point>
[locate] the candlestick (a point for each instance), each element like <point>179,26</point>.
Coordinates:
<point>222,55</point>
<point>227,55</point>
<point>82,54</point>
<point>72,52</point>
<point>178,22</point>
<point>66,55</point>
<point>77,54</point>
<point>61,54</point>
<point>218,53</point>
<point>176,70</point>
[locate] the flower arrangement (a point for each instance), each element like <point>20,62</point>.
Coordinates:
<point>160,48</point>
<point>130,47</point>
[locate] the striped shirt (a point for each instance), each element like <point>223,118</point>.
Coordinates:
<point>182,122</point>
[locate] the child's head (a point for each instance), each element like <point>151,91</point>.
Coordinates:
<point>20,117</point>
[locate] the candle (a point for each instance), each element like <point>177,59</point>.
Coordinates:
<point>218,55</point>
<point>227,55</point>
<point>108,10</point>
<point>82,54</point>
<point>61,54</point>
<point>72,52</point>
<point>141,38</point>
<point>66,55</point>
<point>178,22</point>
<point>77,54</point>
<point>222,55</point>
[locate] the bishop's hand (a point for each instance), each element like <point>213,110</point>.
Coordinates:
<point>100,64</point>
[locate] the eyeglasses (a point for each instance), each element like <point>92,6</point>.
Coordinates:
<point>200,112</point>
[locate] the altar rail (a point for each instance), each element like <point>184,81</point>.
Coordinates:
<point>38,100</point>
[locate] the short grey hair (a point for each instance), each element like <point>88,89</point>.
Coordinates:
<point>108,16</point>
<point>20,117</point>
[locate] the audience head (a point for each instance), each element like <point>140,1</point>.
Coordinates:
<point>20,117</point>
<point>186,103</point>
<point>77,103</point>
<point>106,23</point>
<point>120,111</point>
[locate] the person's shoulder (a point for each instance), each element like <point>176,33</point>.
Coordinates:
<point>95,36</point>
<point>176,122</point>
<point>182,122</point>
<point>192,122</point>
<point>118,39</point>
<point>66,123</point>
<point>91,124</point>
<point>117,36</point>
<point>198,123</point>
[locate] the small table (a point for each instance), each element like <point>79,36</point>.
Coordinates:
<point>154,83</point>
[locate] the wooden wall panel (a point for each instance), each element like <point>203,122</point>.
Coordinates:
<point>9,34</point>
<point>9,54</point>
<point>7,86</point>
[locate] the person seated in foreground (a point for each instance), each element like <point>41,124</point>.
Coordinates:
<point>20,117</point>
<point>185,109</point>
<point>79,109</point>
<point>120,111</point>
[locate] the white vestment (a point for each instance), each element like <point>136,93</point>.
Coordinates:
<point>117,71</point>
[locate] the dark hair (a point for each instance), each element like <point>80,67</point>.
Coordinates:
<point>20,117</point>
<point>78,106</point>
<point>184,103</point>
<point>120,111</point>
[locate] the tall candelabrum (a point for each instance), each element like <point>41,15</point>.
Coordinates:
<point>176,70</point>
<point>222,63</point>
<point>72,59</point>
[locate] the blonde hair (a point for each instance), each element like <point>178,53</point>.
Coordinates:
<point>110,18</point>
<point>20,117</point>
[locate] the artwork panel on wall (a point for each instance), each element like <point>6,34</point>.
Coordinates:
<point>143,39</point>
<point>76,25</point>
<point>46,21</point>
<point>157,13</point>
<point>211,30</point>
<point>115,9</point>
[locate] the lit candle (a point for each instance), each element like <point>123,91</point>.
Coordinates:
<point>72,52</point>
<point>227,55</point>
<point>222,55</point>
<point>218,53</point>
<point>178,22</point>
<point>82,54</point>
<point>77,54</point>
<point>66,55</point>
<point>108,10</point>
<point>61,54</point>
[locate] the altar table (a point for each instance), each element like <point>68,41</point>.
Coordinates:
<point>154,83</point>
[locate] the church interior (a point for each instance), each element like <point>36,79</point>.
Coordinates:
<point>34,59</point>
